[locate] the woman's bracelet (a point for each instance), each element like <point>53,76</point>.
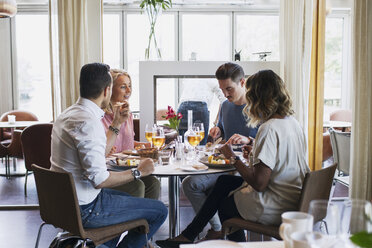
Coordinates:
<point>114,129</point>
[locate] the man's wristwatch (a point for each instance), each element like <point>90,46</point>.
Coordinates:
<point>233,159</point>
<point>136,174</point>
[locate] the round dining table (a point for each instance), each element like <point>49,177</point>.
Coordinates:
<point>174,172</point>
<point>18,124</point>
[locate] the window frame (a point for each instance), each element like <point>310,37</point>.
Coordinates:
<point>346,75</point>
<point>22,9</point>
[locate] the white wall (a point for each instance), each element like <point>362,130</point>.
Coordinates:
<point>149,69</point>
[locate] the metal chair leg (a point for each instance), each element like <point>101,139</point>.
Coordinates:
<point>38,235</point>
<point>147,241</point>
<point>26,183</point>
<point>14,163</point>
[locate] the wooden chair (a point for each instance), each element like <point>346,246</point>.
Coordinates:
<point>59,207</point>
<point>36,147</point>
<point>317,186</point>
<point>21,115</point>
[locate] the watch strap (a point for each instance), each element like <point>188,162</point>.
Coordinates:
<point>114,129</point>
<point>136,174</point>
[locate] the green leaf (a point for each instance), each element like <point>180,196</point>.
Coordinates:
<point>362,239</point>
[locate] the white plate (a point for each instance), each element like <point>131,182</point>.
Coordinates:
<point>192,169</point>
<point>218,244</point>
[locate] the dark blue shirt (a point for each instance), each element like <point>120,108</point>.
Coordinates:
<point>232,120</point>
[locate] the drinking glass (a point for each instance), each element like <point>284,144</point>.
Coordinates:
<point>356,217</point>
<point>148,133</point>
<point>200,125</point>
<point>158,137</point>
<point>194,139</point>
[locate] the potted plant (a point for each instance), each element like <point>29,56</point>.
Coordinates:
<point>153,9</point>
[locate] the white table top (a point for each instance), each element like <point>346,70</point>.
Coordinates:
<point>328,124</point>
<point>5,124</point>
<point>227,244</point>
<point>173,170</point>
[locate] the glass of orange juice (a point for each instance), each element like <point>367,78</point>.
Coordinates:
<point>158,137</point>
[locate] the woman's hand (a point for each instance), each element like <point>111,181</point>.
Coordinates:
<point>227,151</point>
<point>112,151</point>
<point>247,149</point>
<point>121,113</point>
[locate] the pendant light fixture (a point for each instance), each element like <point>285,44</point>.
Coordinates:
<point>8,8</point>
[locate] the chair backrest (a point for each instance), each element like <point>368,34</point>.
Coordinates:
<point>21,115</point>
<point>317,186</point>
<point>57,199</point>
<point>340,142</point>
<point>136,129</point>
<point>36,146</point>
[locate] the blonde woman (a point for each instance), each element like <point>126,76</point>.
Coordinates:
<point>120,133</point>
<point>272,183</point>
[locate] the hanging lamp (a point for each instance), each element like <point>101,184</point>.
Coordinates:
<point>8,8</point>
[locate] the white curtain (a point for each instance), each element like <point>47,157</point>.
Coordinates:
<point>361,148</point>
<point>295,53</point>
<point>69,49</point>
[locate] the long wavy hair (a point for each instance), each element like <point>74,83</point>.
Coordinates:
<point>266,96</point>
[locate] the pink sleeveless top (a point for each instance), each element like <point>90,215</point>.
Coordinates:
<point>125,139</point>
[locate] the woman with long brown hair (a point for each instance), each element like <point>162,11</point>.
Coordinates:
<point>271,183</point>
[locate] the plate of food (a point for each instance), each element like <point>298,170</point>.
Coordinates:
<point>120,163</point>
<point>195,168</point>
<point>217,161</point>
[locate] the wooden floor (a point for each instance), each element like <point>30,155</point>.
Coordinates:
<point>19,228</point>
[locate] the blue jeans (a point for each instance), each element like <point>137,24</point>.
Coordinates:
<point>200,113</point>
<point>113,207</point>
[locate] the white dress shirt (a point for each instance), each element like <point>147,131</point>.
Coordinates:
<point>78,146</point>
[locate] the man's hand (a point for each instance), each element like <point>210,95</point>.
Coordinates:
<point>215,132</point>
<point>227,151</point>
<point>238,139</point>
<point>121,113</point>
<point>146,167</point>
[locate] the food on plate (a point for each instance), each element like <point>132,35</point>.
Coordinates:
<point>199,166</point>
<point>148,152</point>
<point>140,146</point>
<point>218,159</point>
<point>209,144</point>
<point>127,162</point>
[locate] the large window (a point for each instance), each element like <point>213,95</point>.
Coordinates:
<point>336,74</point>
<point>206,36</point>
<point>257,34</point>
<point>33,91</point>
<point>186,34</point>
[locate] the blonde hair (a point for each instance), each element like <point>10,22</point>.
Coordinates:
<point>266,96</point>
<point>115,74</point>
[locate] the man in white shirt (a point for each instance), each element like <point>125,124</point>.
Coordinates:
<point>78,147</point>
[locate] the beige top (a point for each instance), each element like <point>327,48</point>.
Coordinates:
<point>281,145</point>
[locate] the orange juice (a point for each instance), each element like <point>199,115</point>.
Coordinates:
<point>148,136</point>
<point>194,140</point>
<point>158,141</point>
<point>202,134</point>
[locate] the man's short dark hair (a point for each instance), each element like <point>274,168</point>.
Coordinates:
<point>94,78</point>
<point>230,70</point>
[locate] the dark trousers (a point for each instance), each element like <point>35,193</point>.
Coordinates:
<point>218,200</point>
<point>200,114</point>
